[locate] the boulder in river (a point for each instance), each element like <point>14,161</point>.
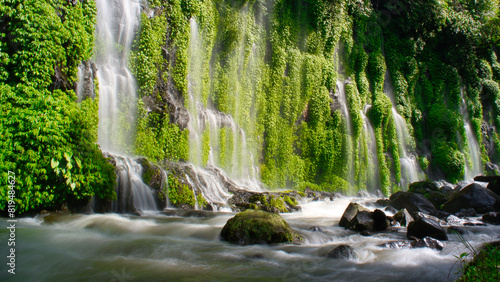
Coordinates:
<point>359,218</point>
<point>258,227</point>
<point>412,202</point>
<point>423,187</point>
<point>472,196</point>
<point>426,242</point>
<point>343,252</point>
<point>403,217</point>
<point>492,218</point>
<point>422,227</point>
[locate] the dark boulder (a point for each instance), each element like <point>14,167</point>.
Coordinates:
<point>472,196</point>
<point>470,212</point>
<point>422,227</point>
<point>492,218</point>
<point>412,202</point>
<point>423,187</point>
<point>494,186</point>
<point>258,227</point>
<point>343,252</point>
<point>358,218</point>
<point>349,213</point>
<point>427,242</point>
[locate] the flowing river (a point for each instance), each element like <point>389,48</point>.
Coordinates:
<point>161,247</point>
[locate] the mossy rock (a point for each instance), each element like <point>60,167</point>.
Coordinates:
<point>258,227</point>
<point>423,187</point>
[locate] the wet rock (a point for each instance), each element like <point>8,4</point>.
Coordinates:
<point>446,189</point>
<point>412,202</point>
<point>436,198</point>
<point>453,220</point>
<point>472,196</point>
<point>383,202</point>
<point>258,227</point>
<point>427,242</point>
<point>403,217</point>
<point>358,218</point>
<point>494,186</point>
<point>492,169</point>
<point>349,213</point>
<point>422,227</point>
<point>423,187</point>
<point>316,229</point>
<point>390,209</point>
<point>365,233</point>
<point>492,218</point>
<point>470,212</point>
<point>343,252</point>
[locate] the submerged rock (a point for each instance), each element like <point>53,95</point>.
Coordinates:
<point>343,252</point>
<point>349,213</point>
<point>472,196</point>
<point>258,227</point>
<point>422,227</point>
<point>426,242</point>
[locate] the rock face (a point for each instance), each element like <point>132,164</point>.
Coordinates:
<point>472,196</point>
<point>358,218</point>
<point>412,202</point>
<point>423,187</point>
<point>343,252</point>
<point>423,227</point>
<point>258,227</point>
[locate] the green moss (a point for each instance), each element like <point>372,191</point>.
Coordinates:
<point>180,194</point>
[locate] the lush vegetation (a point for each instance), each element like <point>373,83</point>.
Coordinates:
<point>303,79</point>
<point>48,140</point>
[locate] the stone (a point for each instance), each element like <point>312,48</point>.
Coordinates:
<point>413,203</point>
<point>427,242</point>
<point>492,218</point>
<point>422,187</point>
<point>343,252</point>
<point>358,218</point>
<point>349,213</point>
<point>423,227</point>
<point>472,196</point>
<point>258,227</point>
<point>403,217</point>
<point>470,212</point>
<point>436,198</point>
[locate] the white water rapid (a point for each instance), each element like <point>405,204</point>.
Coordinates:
<point>156,247</point>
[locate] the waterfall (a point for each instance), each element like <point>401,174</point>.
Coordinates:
<point>215,138</point>
<point>117,22</point>
<point>410,169</point>
<point>474,165</point>
<point>342,98</point>
<point>372,161</point>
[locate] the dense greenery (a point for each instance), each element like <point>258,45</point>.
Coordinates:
<point>305,80</point>
<point>48,140</point>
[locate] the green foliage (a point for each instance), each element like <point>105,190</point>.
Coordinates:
<point>180,194</point>
<point>449,160</point>
<point>48,140</point>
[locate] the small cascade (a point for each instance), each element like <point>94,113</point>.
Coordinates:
<point>117,22</point>
<point>85,86</point>
<point>131,192</point>
<point>410,169</point>
<point>474,165</point>
<point>371,144</point>
<point>340,95</point>
<point>215,138</point>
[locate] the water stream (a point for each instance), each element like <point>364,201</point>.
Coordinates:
<point>156,247</point>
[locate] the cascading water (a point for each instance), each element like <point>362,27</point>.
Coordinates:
<point>371,144</point>
<point>410,169</point>
<point>474,165</point>
<point>131,192</point>
<point>215,138</point>
<point>341,96</point>
<point>117,22</point>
